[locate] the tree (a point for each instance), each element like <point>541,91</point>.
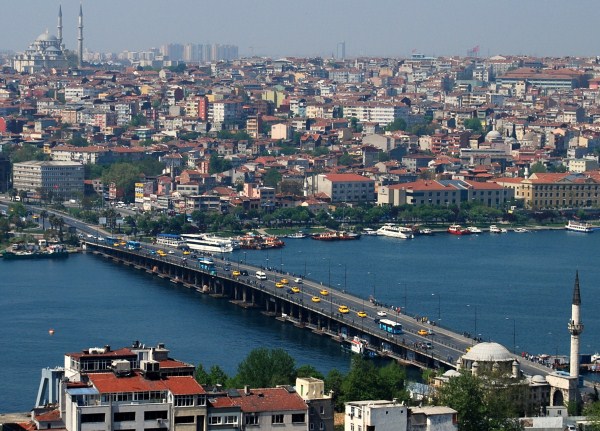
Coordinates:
<point>309,371</point>
<point>333,383</point>
<point>397,124</point>
<point>362,382</point>
<point>201,375</point>
<point>474,124</point>
<point>272,178</point>
<point>264,368</point>
<point>218,164</point>
<point>346,160</point>
<point>43,216</point>
<point>217,376</point>
<point>537,167</point>
<point>465,394</point>
<point>592,411</point>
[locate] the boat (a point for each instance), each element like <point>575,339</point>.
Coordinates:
<point>576,226</point>
<point>253,241</point>
<point>335,236</point>
<point>208,243</point>
<point>521,230</point>
<point>474,229</point>
<point>369,232</point>
<point>395,231</point>
<point>297,235</point>
<point>425,231</point>
<point>496,229</point>
<point>358,346</point>
<point>47,254</point>
<point>456,229</point>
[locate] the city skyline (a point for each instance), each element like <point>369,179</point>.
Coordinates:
<point>271,28</point>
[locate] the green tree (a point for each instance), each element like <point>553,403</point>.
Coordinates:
<point>201,375</point>
<point>592,411</point>
<point>397,124</point>
<point>537,167</point>
<point>362,382</point>
<point>333,383</point>
<point>309,371</point>
<point>272,177</point>
<point>217,376</point>
<point>393,378</point>
<point>465,394</point>
<point>473,124</point>
<point>43,216</point>
<point>264,368</point>
<point>218,164</point>
<point>346,160</point>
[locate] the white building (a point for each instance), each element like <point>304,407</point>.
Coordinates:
<point>381,415</point>
<point>61,178</point>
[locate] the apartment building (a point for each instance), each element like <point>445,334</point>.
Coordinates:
<point>342,187</point>
<point>60,178</point>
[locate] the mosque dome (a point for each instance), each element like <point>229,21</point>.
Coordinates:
<point>46,37</point>
<point>488,352</point>
<point>494,134</point>
<point>52,50</point>
<point>537,379</point>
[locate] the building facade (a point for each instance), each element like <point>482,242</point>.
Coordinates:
<point>59,178</point>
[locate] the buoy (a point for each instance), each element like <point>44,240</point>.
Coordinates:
<point>51,332</point>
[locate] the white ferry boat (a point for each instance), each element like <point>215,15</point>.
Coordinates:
<point>496,229</point>
<point>395,231</point>
<point>208,243</point>
<point>576,226</point>
<point>474,229</point>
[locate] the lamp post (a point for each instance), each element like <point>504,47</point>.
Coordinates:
<point>514,333</point>
<point>245,261</point>
<point>439,305</point>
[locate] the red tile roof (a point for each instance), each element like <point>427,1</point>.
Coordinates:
<point>269,399</point>
<point>178,385</point>
<point>347,178</point>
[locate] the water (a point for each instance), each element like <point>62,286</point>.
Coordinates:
<point>518,289</point>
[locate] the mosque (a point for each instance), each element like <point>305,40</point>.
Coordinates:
<point>48,51</point>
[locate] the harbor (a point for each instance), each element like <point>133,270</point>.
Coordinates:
<point>469,281</point>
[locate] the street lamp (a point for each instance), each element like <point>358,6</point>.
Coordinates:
<point>475,309</point>
<point>439,305</point>
<point>514,333</point>
<point>245,261</point>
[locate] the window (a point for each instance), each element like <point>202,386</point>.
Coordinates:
<point>231,419</point>
<point>321,426</point>
<point>251,420</point>
<point>298,418</point>
<point>155,414</point>
<point>184,419</point>
<point>215,420</point>
<point>92,417</point>
<point>124,416</point>
<point>322,410</point>
<point>277,419</point>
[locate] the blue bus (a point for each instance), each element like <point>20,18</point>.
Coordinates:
<point>133,245</point>
<point>109,240</point>
<point>208,265</point>
<point>390,326</point>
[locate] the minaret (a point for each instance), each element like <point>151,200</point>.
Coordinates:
<point>80,38</point>
<point>60,27</point>
<point>575,328</point>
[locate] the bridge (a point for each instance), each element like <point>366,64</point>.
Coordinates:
<point>312,306</point>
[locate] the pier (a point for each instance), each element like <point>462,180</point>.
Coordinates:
<point>309,308</point>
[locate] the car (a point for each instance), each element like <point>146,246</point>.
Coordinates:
<point>428,345</point>
<point>381,313</point>
<point>186,252</point>
<point>423,332</point>
<point>171,252</point>
<point>296,289</point>
<point>290,291</point>
<point>324,292</point>
<point>116,244</point>
<point>235,273</point>
<point>316,299</point>
<point>284,281</point>
<point>244,272</point>
<point>362,314</point>
<point>298,280</point>
<point>122,243</point>
<point>343,309</point>
<point>279,285</point>
<point>227,267</point>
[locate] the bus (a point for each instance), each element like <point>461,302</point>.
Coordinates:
<point>133,245</point>
<point>390,326</point>
<point>169,240</point>
<point>208,265</point>
<point>109,240</point>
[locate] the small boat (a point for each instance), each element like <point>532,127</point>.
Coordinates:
<point>496,229</point>
<point>369,231</point>
<point>474,229</point>
<point>521,230</point>
<point>457,229</point>
<point>425,231</point>
<point>579,227</point>
<point>297,235</point>
<point>395,231</point>
<point>335,236</point>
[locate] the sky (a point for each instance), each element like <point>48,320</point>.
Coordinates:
<point>277,28</point>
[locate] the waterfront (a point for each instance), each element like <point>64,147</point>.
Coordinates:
<point>88,301</point>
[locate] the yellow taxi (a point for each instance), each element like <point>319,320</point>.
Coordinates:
<point>122,243</point>
<point>316,299</point>
<point>235,273</point>
<point>161,253</point>
<point>324,292</point>
<point>186,252</point>
<point>284,281</point>
<point>116,244</point>
<point>279,285</point>
<point>422,332</point>
<point>361,314</point>
<point>344,309</point>
<point>296,289</point>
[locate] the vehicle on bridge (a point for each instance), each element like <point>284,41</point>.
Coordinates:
<point>316,299</point>
<point>390,326</point>
<point>261,275</point>
<point>208,265</point>
<point>324,292</point>
<point>344,309</point>
<point>133,245</point>
<point>362,314</point>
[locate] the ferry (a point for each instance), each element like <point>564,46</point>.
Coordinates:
<point>208,243</point>
<point>297,235</point>
<point>576,226</point>
<point>52,252</point>
<point>395,231</point>
<point>252,241</point>
<point>474,229</point>
<point>456,229</point>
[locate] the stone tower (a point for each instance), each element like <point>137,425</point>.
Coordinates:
<point>575,328</point>
<point>80,38</point>
<point>60,27</point>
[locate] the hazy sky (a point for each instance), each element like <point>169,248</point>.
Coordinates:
<point>314,27</point>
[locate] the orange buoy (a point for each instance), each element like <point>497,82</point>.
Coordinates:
<point>51,332</point>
